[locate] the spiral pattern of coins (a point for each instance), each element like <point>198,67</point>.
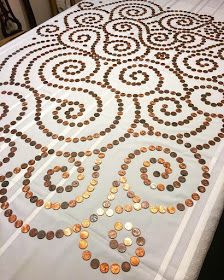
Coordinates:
<point>113,76</point>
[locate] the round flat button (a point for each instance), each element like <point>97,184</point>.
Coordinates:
<point>109,212</point>
<point>95,263</point>
<point>128,226</point>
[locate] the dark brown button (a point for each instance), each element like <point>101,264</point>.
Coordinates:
<point>180,207</point>
<point>140,241</point>
<point>50,235</point>
<point>121,248</point>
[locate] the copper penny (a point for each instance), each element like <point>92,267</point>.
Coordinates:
<point>50,235</point>
<point>125,266</point>
<point>115,268</point>
<point>112,234</point>
<point>121,248</point>
<point>113,244</point>
<point>95,263</point>
<point>83,244</point>
<point>33,232</point>
<point>134,260</point>
<point>104,267</point>
<point>140,241</point>
<point>140,252</point>
<point>25,228</point>
<point>86,255</point>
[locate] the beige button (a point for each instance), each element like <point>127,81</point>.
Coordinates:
<point>111,196</point>
<point>162,209</point>
<point>153,209</point>
<point>123,180</point>
<point>85,223</point>
<point>153,186</point>
<point>137,206</point>
<point>67,231</point>
<point>126,187</point>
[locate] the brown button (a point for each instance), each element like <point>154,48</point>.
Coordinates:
<point>76,228</point>
<point>41,234</point>
<point>136,232</point>
<point>189,202</point>
<point>104,267</point>
<point>95,263</point>
<point>59,233</point>
<point>125,266</point>
<point>18,223</point>
<point>180,207</point>
<point>115,268</point>
<point>134,261</point>
<point>86,255</point>
<point>113,244</point>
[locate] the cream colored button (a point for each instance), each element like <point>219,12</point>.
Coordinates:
<point>109,212</point>
<point>128,226</point>
<point>85,223</point>
<point>123,180</point>
<point>67,231</point>
<point>153,209</point>
<point>90,188</point>
<point>93,182</point>
<point>111,196</point>
<point>162,209</point>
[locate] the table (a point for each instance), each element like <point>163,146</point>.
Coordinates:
<point>112,142</point>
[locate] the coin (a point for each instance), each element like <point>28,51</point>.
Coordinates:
<point>195,196</point>
<point>128,226</point>
<point>134,261</point>
<point>85,223</point>
<point>109,212</point>
<point>154,209</point>
<point>93,218</point>
<point>86,255</point>
<point>140,241</point>
<point>171,209</point>
<point>33,232</point>
<point>136,232</point>
<point>41,234</point>
<point>153,186</point>
<point>119,209</point>
<point>121,248</point>
<point>180,207</point>
<point>140,252</point>
<point>84,234</point>
<point>50,235</point>
<point>125,266</point>
<point>189,202</point>
<point>104,267</point>
<point>137,206</point>
<point>127,241</point>
<point>113,244</point>
<point>83,244</point>
<point>25,228</point>
<point>95,263</point>
<point>100,211</point>
<point>112,234</point>
<point>145,204</point>
<point>59,233</point>
<point>118,226</point>
<point>76,228</point>
<point>115,268</point>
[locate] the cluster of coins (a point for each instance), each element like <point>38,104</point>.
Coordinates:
<point>115,268</point>
<point>65,174</point>
<point>13,149</point>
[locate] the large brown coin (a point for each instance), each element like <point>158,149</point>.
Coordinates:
<point>50,235</point>
<point>86,255</point>
<point>104,267</point>
<point>125,266</point>
<point>95,263</point>
<point>113,244</point>
<point>115,268</point>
